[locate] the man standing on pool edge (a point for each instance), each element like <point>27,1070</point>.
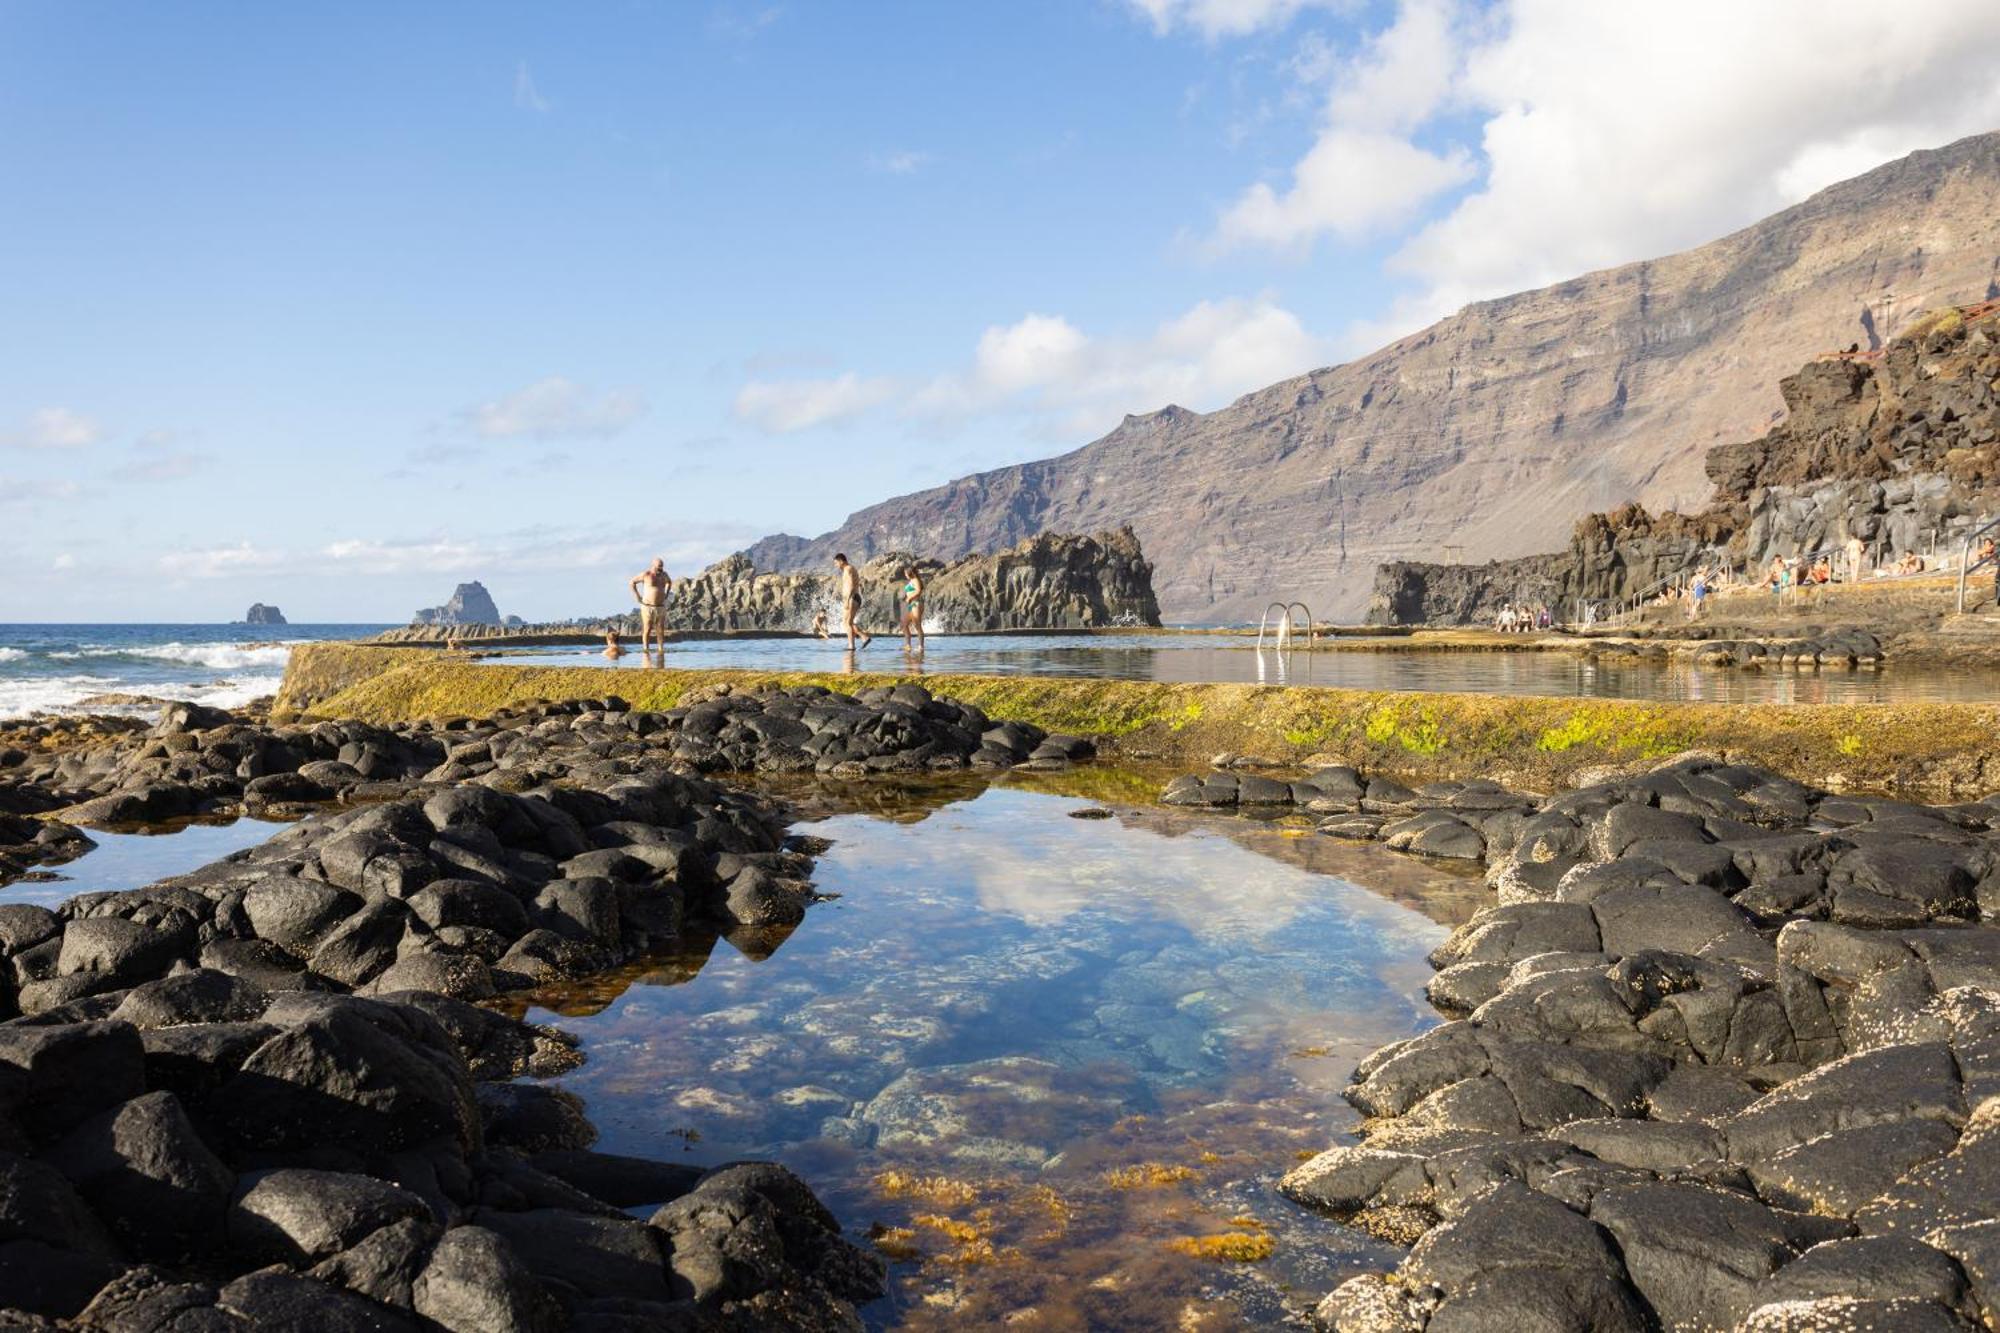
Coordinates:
<point>651,588</point>
<point>850,601</point>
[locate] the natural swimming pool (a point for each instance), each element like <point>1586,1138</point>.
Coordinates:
<point>1199,659</point>
<point>1051,1064</point>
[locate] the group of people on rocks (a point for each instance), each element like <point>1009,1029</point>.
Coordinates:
<point>654,586</point>
<point>1521,617</point>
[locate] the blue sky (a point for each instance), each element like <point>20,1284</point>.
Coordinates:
<point>333,306</point>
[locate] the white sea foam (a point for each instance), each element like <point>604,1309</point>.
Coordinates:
<point>18,698</point>
<point>216,656</point>
<point>59,694</point>
<point>11,654</point>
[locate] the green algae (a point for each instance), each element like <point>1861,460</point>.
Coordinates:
<point>1943,749</point>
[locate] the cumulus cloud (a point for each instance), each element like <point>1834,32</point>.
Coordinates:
<point>556,408</point>
<point>55,428</point>
<point>526,95</point>
<point>782,406</point>
<point>1220,18</point>
<point>1600,134</point>
<point>1044,366</point>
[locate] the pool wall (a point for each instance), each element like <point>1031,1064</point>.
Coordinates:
<point>1936,749</point>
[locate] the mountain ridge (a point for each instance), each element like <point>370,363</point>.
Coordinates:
<point>1489,432</point>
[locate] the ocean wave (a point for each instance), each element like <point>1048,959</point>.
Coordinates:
<point>62,694</point>
<point>11,654</point>
<point>18,698</point>
<point>215,656</point>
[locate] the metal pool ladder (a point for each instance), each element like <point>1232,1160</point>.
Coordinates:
<point>1285,623</point>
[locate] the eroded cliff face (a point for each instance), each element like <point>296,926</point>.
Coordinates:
<point>1899,449</point>
<point>1050,581</point>
<point>1494,430</point>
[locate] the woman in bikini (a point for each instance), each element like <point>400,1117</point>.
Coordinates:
<point>913,607</point>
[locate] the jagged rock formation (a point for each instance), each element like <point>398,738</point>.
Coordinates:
<point>1900,450</point>
<point>1494,429</point>
<point>470,604</point>
<point>1051,581</point>
<point>260,614</point>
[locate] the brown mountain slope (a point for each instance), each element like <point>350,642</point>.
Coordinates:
<point>1490,432</point>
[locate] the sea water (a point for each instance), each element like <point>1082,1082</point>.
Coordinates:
<point>53,668</point>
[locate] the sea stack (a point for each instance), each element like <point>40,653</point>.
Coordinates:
<point>260,614</point>
<point>470,604</point>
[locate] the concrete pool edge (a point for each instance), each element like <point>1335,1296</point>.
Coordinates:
<point>1940,750</point>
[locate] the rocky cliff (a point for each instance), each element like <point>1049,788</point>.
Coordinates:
<point>1050,581</point>
<point>260,614</point>
<point>1899,448</point>
<point>470,604</point>
<point>1491,431</point>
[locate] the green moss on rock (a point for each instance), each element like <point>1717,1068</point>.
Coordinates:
<point>1940,749</point>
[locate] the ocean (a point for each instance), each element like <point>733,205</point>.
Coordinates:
<point>58,668</point>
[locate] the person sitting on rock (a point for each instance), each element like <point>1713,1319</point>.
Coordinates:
<point>819,623</point>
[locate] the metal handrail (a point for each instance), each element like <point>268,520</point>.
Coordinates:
<point>1965,562</point>
<point>1308,621</point>
<point>1284,624</point>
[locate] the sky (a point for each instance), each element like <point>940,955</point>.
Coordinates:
<point>336,306</point>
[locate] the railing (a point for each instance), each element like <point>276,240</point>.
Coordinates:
<point>1966,564</point>
<point>1284,628</point>
<point>1636,603</point>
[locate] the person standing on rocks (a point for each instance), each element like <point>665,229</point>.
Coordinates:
<point>652,588</point>
<point>1854,554</point>
<point>850,601</point>
<point>913,607</point>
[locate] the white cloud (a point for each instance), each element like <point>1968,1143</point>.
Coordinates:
<point>526,95</point>
<point>1364,173</point>
<point>555,408</point>
<point>63,562</point>
<point>1221,18</point>
<point>527,551</point>
<point>1607,133</point>
<point>782,406</point>
<point>1046,368</point>
<point>904,162</point>
<point>216,562</point>
<point>55,428</point>
<point>1352,184</point>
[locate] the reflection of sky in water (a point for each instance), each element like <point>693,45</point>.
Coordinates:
<point>1189,660</point>
<point>994,996</point>
<point>128,860</point>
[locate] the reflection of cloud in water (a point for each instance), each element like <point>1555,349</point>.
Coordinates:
<point>1201,880</point>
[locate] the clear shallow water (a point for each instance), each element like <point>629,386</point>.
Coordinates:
<point>53,667</point>
<point>1195,660</point>
<point>1036,1053</point>
<point>128,860</point>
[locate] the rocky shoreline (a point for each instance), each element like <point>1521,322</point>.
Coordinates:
<point>1722,1056</point>
<point>261,1094</point>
